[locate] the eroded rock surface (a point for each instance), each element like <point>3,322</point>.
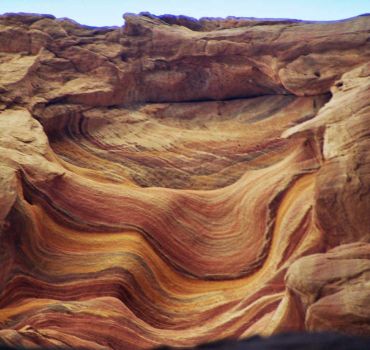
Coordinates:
<point>176,181</point>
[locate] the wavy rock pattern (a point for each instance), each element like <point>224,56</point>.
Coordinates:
<point>177,181</point>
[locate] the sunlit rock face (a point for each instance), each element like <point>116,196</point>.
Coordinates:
<point>174,181</point>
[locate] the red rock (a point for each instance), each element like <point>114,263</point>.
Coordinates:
<point>177,181</point>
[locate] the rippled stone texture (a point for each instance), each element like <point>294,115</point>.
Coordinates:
<point>175,181</point>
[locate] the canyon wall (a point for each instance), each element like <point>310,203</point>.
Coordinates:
<point>177,181</point>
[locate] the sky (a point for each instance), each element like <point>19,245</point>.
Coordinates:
<point>109,12</point>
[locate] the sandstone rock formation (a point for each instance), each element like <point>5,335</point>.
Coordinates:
<point>177,181</point>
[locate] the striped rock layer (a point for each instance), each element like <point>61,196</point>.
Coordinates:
<point>176,181</point>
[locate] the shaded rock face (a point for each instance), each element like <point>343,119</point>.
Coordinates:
<point>286,341</point>
<point>174,181</point>
<point>289,341</point>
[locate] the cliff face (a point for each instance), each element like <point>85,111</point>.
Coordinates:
<point>177,181</point>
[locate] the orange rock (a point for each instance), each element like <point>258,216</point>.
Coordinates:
<point>177,181</point>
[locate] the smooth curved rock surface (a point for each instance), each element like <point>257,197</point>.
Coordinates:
<point>174,181</point>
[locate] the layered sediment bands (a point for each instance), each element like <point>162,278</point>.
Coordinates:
<point>205,145</point>
<point>177,181</point>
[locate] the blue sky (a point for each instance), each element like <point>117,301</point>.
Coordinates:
<point>109,12</point>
